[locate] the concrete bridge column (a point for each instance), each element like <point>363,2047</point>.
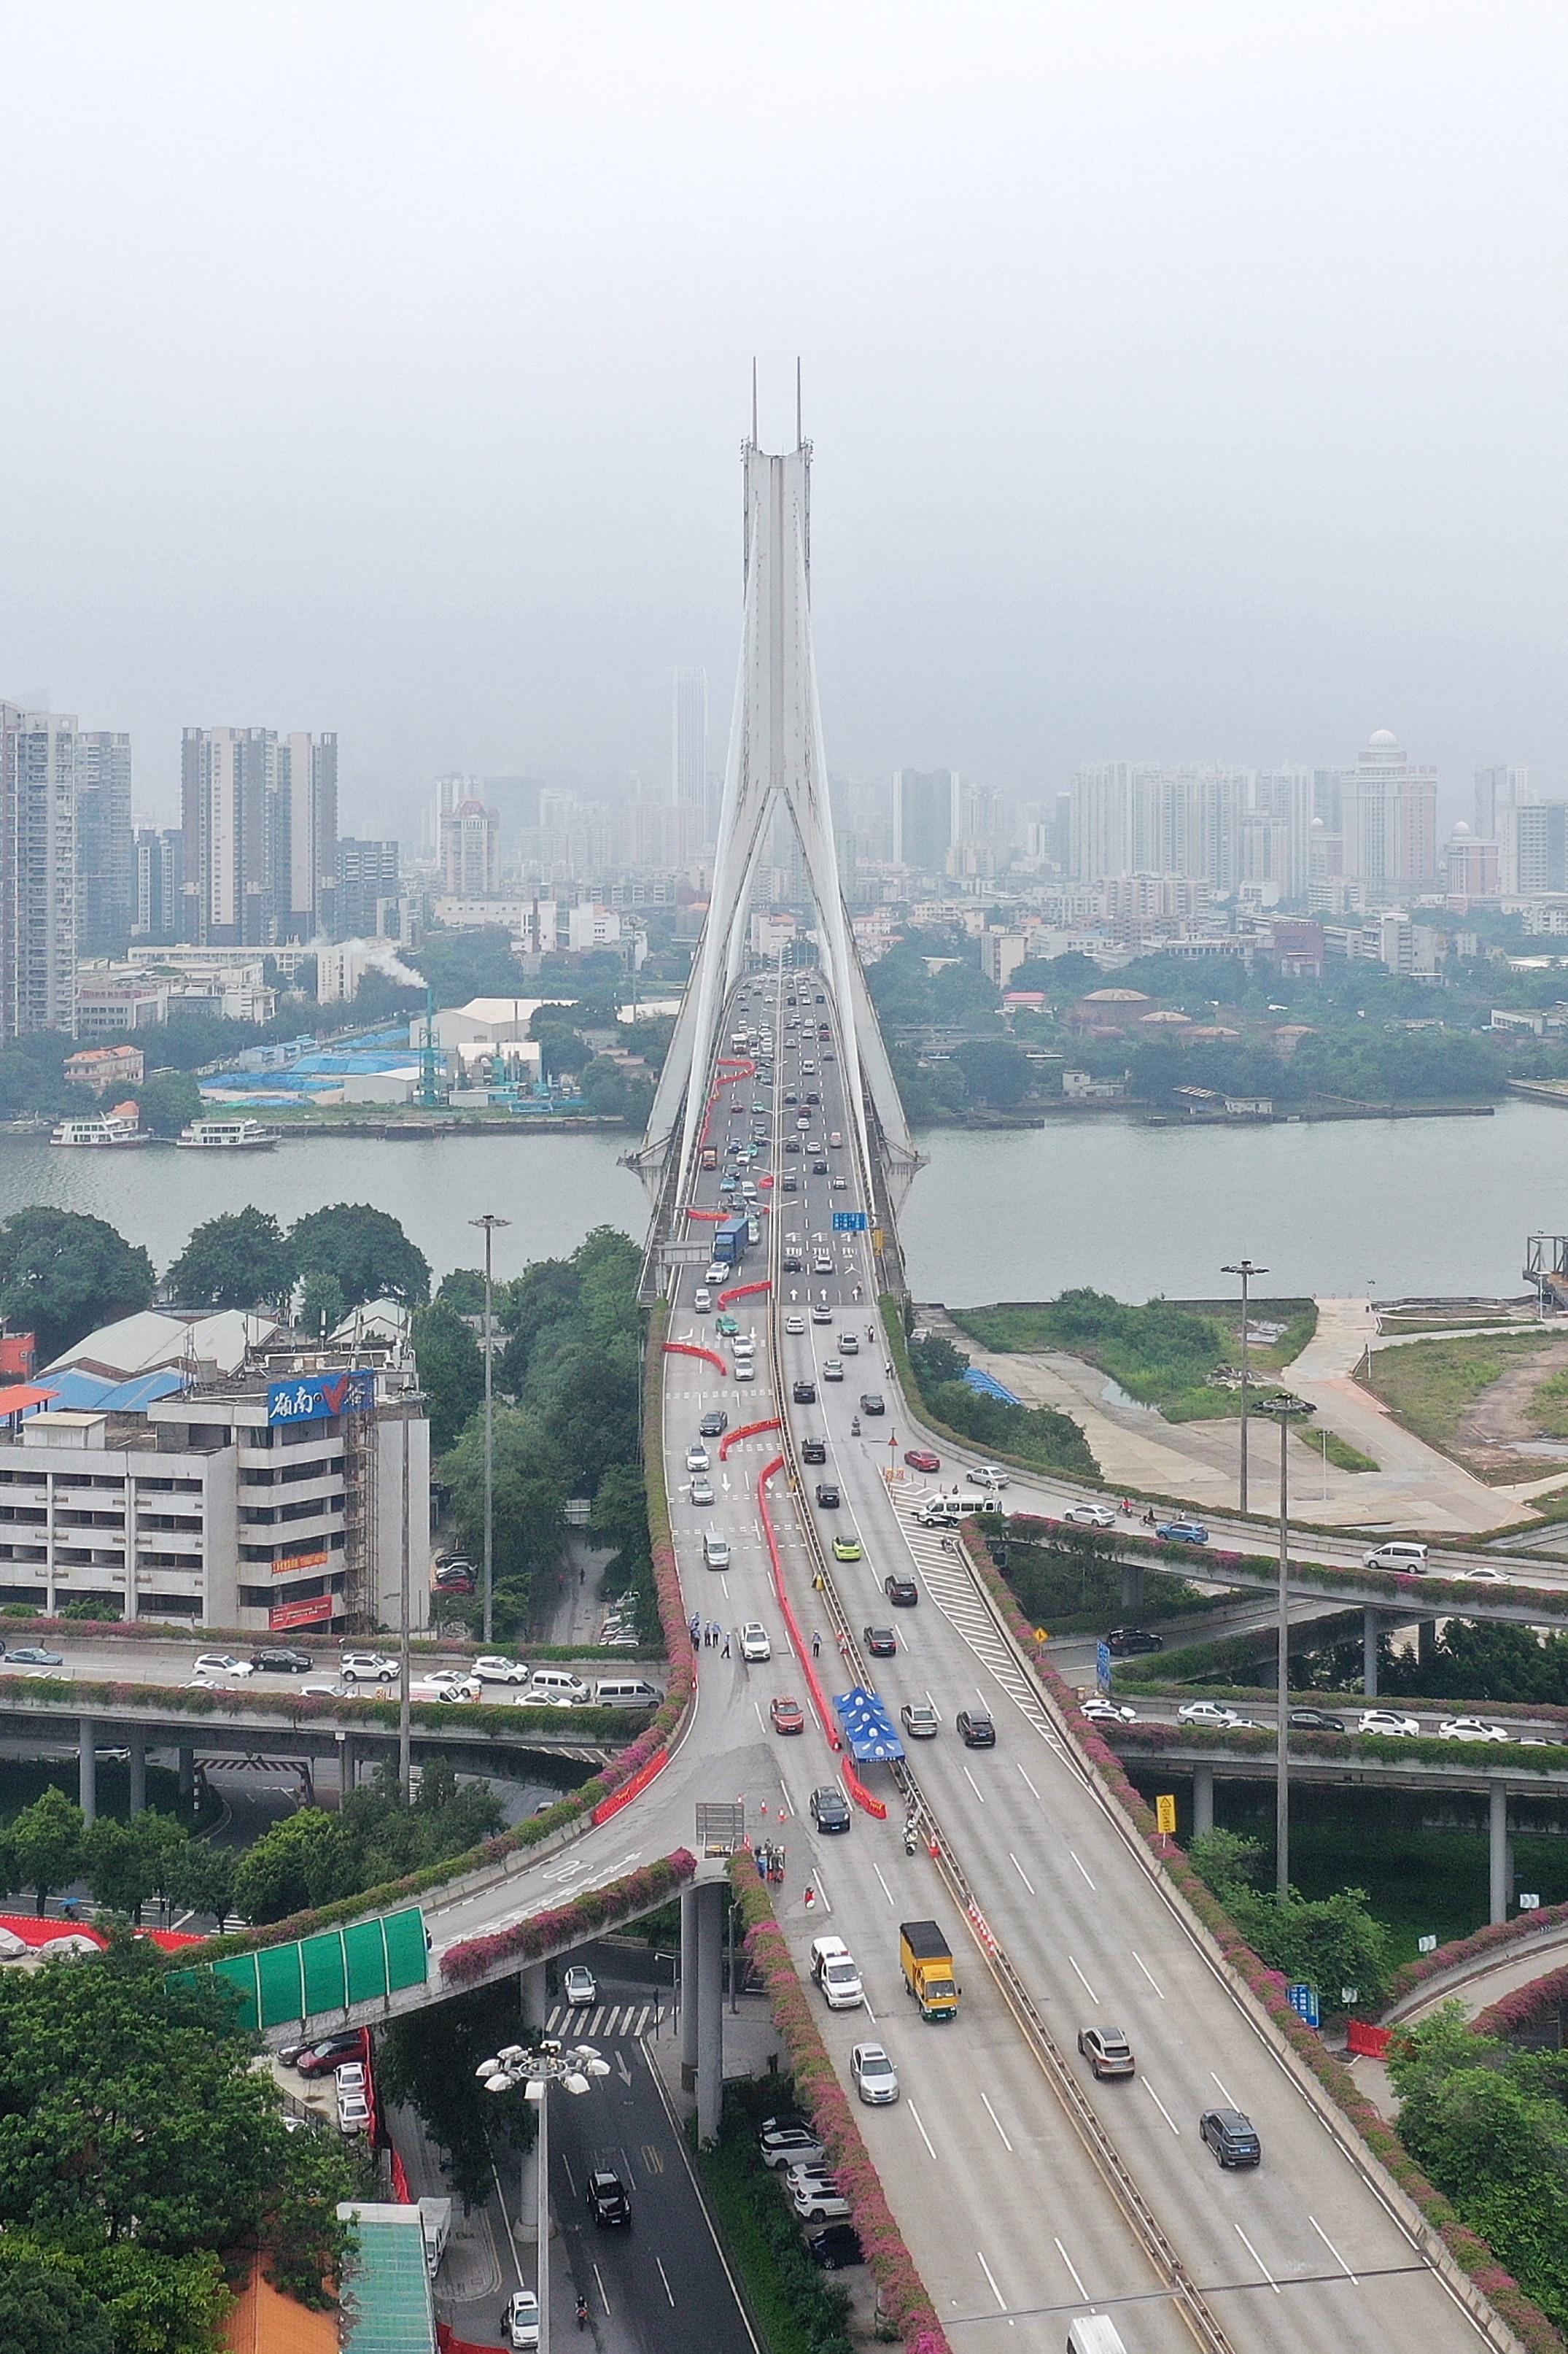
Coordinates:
<point>535,1994</point>
<point>1370,1631</point>
<point>138,1745</point>
<point>688,1988</point>
<point>187,1777</point>
<point>711,1898</point>
<point>1500,1854</point>
<point>1132,1587</point>
<point>87,1768</point>
<point>1427,1641</point>
<point>1202,1800</point>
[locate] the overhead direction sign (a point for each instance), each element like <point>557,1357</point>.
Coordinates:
<point>849,1221</point>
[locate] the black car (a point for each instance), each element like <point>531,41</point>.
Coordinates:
<point>791,1144</point>
<point>819,1168</point>
<point>881,1642</point>
<point>793,1263</point>
<point>830,1808</point>
<point>836,2246</point>
<point>827,1496</point>
<point>1231,2136</point>
<point>813,1097</point>
<point>975,1730</point>
<point>804,1393</point>
<point>713,1424</point>
<point>901,1592</point>
<point>606,2197</point>
<point>1123,1641</point>
<point>790,1184</point>
<point>813,1450</point>
<point>1315,1720</point>
<point>791,1099</point>
<point>871,1402</point>
<point>282,1663</point>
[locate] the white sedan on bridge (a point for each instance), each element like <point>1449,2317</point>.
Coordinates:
<point>1471,1728</point>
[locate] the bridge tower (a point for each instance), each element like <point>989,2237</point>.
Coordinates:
<point>776,757</point>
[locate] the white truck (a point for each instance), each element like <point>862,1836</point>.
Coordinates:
<point>436,2222</point>
<point>836,1971</point>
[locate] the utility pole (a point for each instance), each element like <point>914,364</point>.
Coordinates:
<point>489,1222</point>
<point>1284,1410</point>
<point>405,1667</point>
<point>1246,1269</point>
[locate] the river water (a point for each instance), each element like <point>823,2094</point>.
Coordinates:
<point>1408,1206</point>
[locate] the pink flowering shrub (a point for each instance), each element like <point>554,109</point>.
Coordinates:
<point>567,1924</point>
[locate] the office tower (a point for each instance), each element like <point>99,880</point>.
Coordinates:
<point>689,787</point>
<point>234,796</point>
<point>448,792</point>
<point>1470,865</point>
<point>1533,849</point>
<point>106,874</point>
<point>37,871</point>
<point>925,818</point>
<point>1496,790</point>
<point>1389,807</point>
<point>367,874</point>
<point>160,870</point>
<point>1286,798</point>
<point>310,765</point>
<point>470,851</point>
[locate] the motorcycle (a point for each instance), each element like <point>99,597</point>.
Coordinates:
<point>854,1427</point>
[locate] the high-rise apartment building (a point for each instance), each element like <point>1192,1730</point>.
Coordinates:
<point>690,786</point>
<point>160,871</point>
<point>1533,852</point>
<point>925,810</point>
<point>37,871</point>
<point>470,850</point>
<point>1496,790</point>
<point>366,875</point>
<point>1389,809</point>
<point>260,819</point>
<point>312,784</point>
<point>106,867</point>
<point>1206,824</point>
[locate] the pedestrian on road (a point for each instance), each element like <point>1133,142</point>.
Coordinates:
<point>816,1647</point>
<point>725,1654</point>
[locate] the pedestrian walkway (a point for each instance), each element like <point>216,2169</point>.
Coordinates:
<point>633,2018</point>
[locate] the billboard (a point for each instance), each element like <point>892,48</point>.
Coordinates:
<point>301,1614</point>
<point>298,1563</point>
<point>311,1398</point>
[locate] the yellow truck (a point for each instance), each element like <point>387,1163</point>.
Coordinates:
<point>928,1962</point>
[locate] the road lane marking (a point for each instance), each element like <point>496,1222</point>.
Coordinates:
<point>1072,2268</point>
<point>1084,1982</point>
<point>1081,1868</point>
<point>1160,2106</point>
<point>889,1893</point>
<point>598,2277</point>
<point>1001,2301</point>
<point>918,2125</point>
<point>998,2124</point>
<point>974,1786</point>
<point>1148,1974</point>
<point>1019,1869</point>
<point>1035,1793</point>
<point>670,2294</point>
<point>1332,2250</point>
<point>1258,2260</point>
<point>566,2170</point>
<point>1229,2097</point>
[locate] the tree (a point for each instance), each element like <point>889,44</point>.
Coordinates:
<point>462,1288</point>
<point>43,1845</point>
<point>45,2310</point>
<point>169,1100</point>
<point>238,1260</point>
<point>451,1367</point>
<point>119,1867</point>
<point>274,1875</point>
<point>429,2061</point>
<point>531,1491</point>
<point>365,1249</point>
<point>63,1274</point>
<point>478,963</point>
<point>202,1877</point>
<point>321,1304</point>
<point>994,1069</point>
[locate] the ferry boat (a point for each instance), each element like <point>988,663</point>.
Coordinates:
<point>227,1136</point>
<point>114,1129</point>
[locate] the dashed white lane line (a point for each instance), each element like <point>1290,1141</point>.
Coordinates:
<point>919,2126</point>
<point>1148,1974</point>
<point>1160,2106</point>
<point>998,2124</point>
<point>1034,1793</point>
<point>1000,2300</point>
<point>1072,2267</point>
<point>889,1893</point>
<point>1258,2260</point>
<point>669,2292</point>
<point>1228,2098</point>
<point>1017,1867</point>
<point>1084,1982</point>
<point>1081,1868</point>
<point>1333,2250</point>
<point>974,1786</point>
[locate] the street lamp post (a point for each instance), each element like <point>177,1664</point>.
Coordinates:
<point>1246,1269</point>
<point>489,1222</point>
<point>1284,1410</point>
<point>537,2069</point>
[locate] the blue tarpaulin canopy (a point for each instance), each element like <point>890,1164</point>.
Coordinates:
<point>868,1727</point>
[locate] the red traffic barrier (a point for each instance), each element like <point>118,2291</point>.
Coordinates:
<point>690,1349</point>
<point>747,1430</point>
<point>802,1652</point>
<point>860,1795</point>
<point>633,1789</point>
<point>1370,2042</point>
<point>742,1291</point>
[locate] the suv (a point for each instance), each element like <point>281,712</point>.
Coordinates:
<point>1231,2136</point>
<point>827,1496</point>
<point>786,2144</point>
<point>830,1808</point>
<point>871,1402</point>
<point>1122,1641</point>
<point>367,1668</point>
<point>805,1393</point>
<point>1106,2049</point>
<point>813,1450</point>
<point>606,2197</point>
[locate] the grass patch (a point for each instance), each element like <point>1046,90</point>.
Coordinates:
<point>1340,1453</point>
<point>799,2308</point>
<point>730,2187</point>
<point>1162,1353</point>
<point>1549,1407</point>
<point>1429,1385</point>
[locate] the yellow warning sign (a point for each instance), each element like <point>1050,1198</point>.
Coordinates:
<point>1165,1813</point>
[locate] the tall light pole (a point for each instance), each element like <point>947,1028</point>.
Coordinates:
<point>489,1222</point>
<point>1285,1409</point>
<point>1246,1269</point>
<point>549,2062</point>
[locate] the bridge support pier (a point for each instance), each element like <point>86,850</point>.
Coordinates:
<point>1500,1854</point>
<point>711,1900</point>
<point>187,1777</point>
<point>1427,1641</point>
<point>87,1766</point>
<point>534,1994</point>
<point>688,1988</point>
<point>1369,1628</point>
<point>138,1746</point>
<point>1132,1587</point>
<point>1202,1800</point>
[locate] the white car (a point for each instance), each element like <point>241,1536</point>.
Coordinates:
<point>987,1474</point>
<point>744,1370</point>
<point>367,1668</point>
<point>702,1301</point>
<point>1494,1576</point>
<point>580,1985</point>
<point>701,1492</point>
<point>1385,1720</point>
<point>1471,1728</point>
<point>1207,1712</point>
<point>521,2320</point>
<point>221,1663</point>
<point>876,2077</point>
<point>832,1371</point>
<point>743,1345</point>
<point>1401,1553</point>
<point>1091,1516</point>
<point>816,2199</point>
<point>1108,1712</point>
<point>755,1646</point>
<point>497,1669</point>
<point>794,1326</point>
<point>697,1457</point>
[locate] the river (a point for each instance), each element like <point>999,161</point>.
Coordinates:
<point>1408,1206</point>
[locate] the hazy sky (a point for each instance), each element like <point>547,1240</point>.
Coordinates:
<point>1186,380</point>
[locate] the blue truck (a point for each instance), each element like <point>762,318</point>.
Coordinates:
<point>729,1240</point>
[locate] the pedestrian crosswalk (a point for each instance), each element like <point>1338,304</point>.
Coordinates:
<point>949,1583</point>
<point>632,2018</point>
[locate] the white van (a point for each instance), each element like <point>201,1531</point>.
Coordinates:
<point>947,1512</point>
<point>835,1970</point>
<point>559,1683</point>
<point>715,1552</point>
<point>1409,1557</point>
<point>624,1692</point>
<point>1093,2333</point>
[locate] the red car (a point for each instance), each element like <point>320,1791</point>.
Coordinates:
<point>788,1715</point>
<point>920,1458</point>
<point>335,2052</point>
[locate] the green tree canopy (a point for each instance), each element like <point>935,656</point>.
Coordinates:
<point>365,1249</point>
<point>239,1259</point>
<point>462,1288</point>
<point>201,1877</point>
<point>461,965</point>
<point>169,1102</point>
<point>63,1274</point>
<point>41,1849</point>
<point>322,1306</point>
<point>43,2309</point>
<point>451,1367</point>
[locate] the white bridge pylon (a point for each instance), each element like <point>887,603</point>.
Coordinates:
<point>775,755</point>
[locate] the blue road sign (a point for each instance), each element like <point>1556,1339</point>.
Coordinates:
<point>1103,1666</point>
<point>1304,2003</point>
<point>849,1221</point>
